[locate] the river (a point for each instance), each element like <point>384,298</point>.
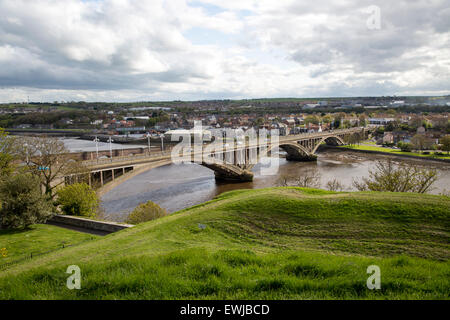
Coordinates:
<point>175,187</point>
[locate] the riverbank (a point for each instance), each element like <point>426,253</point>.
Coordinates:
<point>273,243</point>
<point>392,152</point>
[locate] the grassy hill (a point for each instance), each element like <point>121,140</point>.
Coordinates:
<point>271,243</point>
<point>36,240</point>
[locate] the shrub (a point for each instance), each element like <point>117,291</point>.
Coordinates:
<point>78,199</point>
<point>146,212</point>
<point>405,147</point>
<point>23,203</point>
<point>390,177</point>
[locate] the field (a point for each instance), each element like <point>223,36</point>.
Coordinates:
<point>37,239</point>
<point>275,243</point>
<point>396,151</point>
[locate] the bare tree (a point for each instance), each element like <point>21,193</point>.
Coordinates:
<point>334,185</point>
<point>49,159</point>
<point>306,179</point>
<point>283,181</point>
<point>390,177</point>
<point>421,142</point>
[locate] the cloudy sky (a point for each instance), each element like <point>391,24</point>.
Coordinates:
<point>129,50</point>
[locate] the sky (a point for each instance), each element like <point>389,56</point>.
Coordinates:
<point>128,50</point>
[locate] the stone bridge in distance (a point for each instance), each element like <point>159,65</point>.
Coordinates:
<point>228,163</point>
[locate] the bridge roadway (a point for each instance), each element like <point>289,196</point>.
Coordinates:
<point>121,161</point>
<point>299,147</point>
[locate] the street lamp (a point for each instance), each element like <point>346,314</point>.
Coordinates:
<point>110,140</point>
<point>162,143</point>
<point>96,140</point>
<point>148,140</point>
<point>26,150</point>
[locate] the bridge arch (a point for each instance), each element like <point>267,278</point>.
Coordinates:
<point>331,141</point>
<point>295,147</point>
<point>296,151</point>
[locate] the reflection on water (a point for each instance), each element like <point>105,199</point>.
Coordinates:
<point>175,187</point>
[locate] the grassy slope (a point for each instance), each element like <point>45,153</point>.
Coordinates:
<point>37,239</point>
<point>395,151</point>
<point>267,243</point>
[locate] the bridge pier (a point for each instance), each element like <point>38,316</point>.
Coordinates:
<point>301,157</point>
<point>245,176</point>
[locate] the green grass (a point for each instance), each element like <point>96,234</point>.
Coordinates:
<point>270,243</point>
<point>395,151</point>
<point>36,239</point>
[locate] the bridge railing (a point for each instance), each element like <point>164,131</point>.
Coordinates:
<point>167,152</point>
<point>139,156</point>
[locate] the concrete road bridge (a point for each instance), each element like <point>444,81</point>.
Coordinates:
<point>229,161</point>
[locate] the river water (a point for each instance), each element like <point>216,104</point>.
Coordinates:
<point>175,187</point>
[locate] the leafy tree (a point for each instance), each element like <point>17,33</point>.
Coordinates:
<point>347,124</point>
<point>312,119</point>
<point>337,123</point>
<point>404,146</point>
<point>258,122</point>
<point>445,141</point>
<point>6,154</point>
<point>49,159</point>
<point>390,177</point>
<point>22,202</point>
<point>78,200</point>
<point>146,212</point>
<point>327,118</point>
<point>391,126</point>
<point>380,130</point>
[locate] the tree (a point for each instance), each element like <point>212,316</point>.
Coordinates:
<point>22,202</point>
<point>146,212</point>
<point>49,159</point>
<point>337,123</point>
<point>306,179</point>
<point>327,118</point>
<point>390,177</point>
<point>334,185</point>
<point>312,119</point>
<point>405,146</point>
<point>354,138</point>
<point>445,141</point>
<point>6,154</point>
<point>420,142</point>
<point>362,120</point>
<point>78,199</point>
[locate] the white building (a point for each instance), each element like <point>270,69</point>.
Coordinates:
<point>380,121</point>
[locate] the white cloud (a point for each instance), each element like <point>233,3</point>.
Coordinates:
<point>131,50</point>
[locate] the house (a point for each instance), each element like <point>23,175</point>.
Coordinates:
<point>380,121</point>
<point>421,130</point>
<point>310,106</point>
<point>290,122</point>
<point>388,137</point>
<point>97,122</point>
